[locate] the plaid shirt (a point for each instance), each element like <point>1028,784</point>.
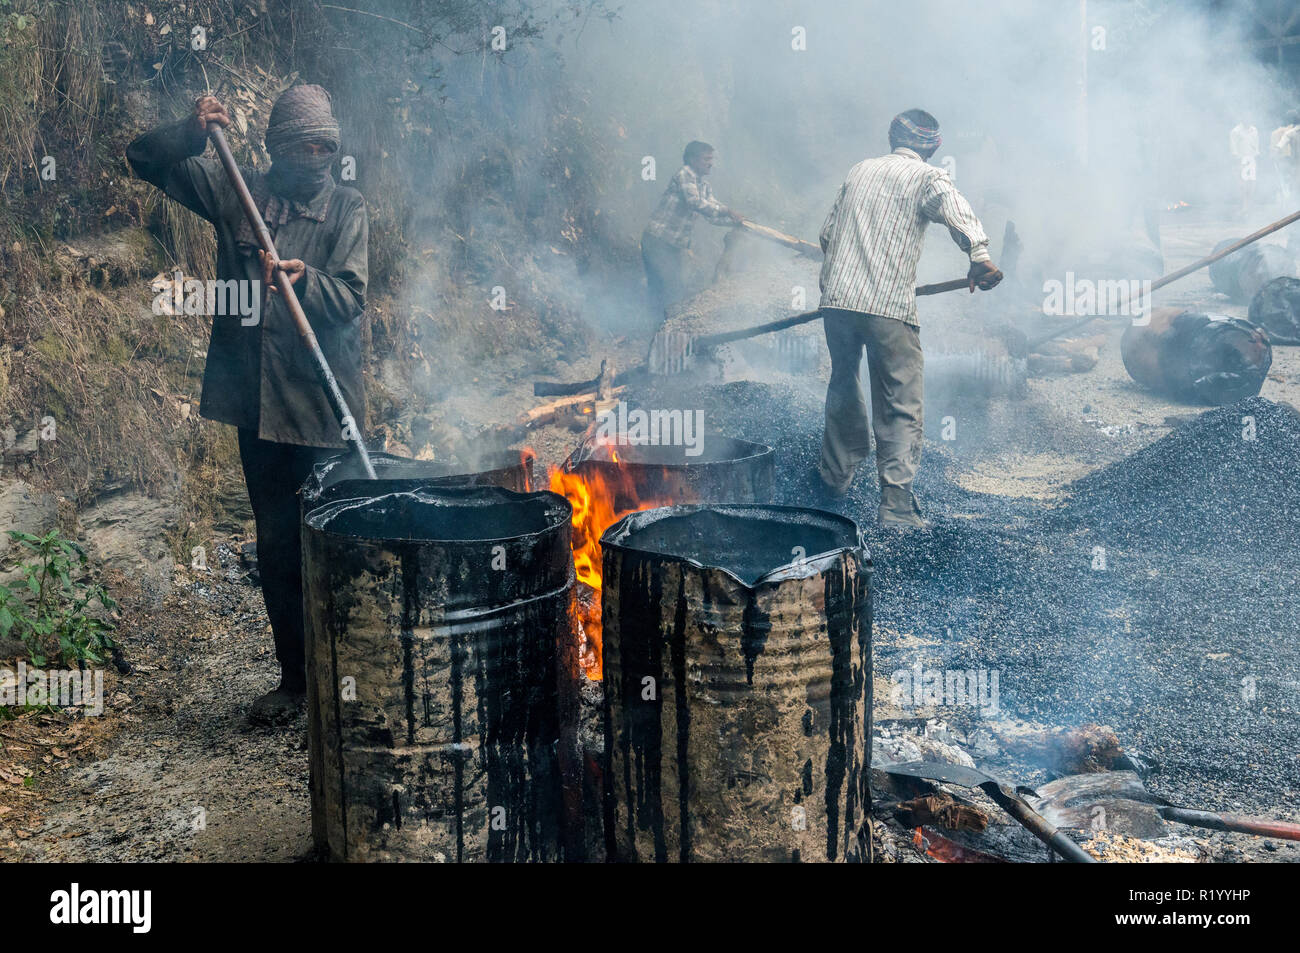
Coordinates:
<point>875,232</point>
<point>686,194</point>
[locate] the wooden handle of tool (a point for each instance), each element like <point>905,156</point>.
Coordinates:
<point>1172,277</point>
<point>781,238</point>
<point>1225,252</point>
<point>1283,830</point>
<point>726,337</point>
<point>956,284</point>
<point>1037,825</point>
<point>333,394</point>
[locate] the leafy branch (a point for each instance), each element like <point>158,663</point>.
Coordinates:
<point>53,608</point>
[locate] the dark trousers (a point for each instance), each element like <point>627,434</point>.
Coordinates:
<point>273,473</point>
<point>663,273</point>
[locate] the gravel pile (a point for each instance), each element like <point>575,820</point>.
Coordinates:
<point>1227,479</point>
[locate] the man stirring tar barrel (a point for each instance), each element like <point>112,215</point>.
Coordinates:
<point>259,376</point>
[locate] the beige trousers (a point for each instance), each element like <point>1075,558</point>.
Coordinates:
<point>896,367</point>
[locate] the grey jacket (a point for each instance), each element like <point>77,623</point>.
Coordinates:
<point>262,377</point>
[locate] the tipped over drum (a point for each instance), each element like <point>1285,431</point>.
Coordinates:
<point>1276,309</point>
<point>1197,357</point>
<point>737,684</point>
<point>1243,273</point>
<point>441,666</point>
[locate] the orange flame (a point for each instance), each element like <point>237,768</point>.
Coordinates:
<point>599,501</point>
<point>946,851</point>
<point>527,456</point>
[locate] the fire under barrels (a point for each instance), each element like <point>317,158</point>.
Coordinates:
<point>724,470</point>
<point>1197,357</point>
<point>738,685</point>
<point>441,675</point>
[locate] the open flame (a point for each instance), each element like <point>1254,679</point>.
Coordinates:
<point>599,500</point>
<point>527,457</point>
<point>946,851</point>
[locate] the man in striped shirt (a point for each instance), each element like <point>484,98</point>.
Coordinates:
<point>667,237</point>
<point>873,239</point>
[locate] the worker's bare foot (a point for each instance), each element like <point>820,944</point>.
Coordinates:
<point>278,707</point>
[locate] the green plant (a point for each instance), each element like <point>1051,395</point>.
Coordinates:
<point>50,608</point>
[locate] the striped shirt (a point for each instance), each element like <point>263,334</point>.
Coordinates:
<point>875,232</point>
<point>687,194</point>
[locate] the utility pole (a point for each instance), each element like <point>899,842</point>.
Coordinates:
<point>1083,84</point>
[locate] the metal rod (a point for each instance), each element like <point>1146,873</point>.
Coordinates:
<point>1036,824</point>
<point>332,392</point>
<point>1283,830</point>
<point>1175,275</point>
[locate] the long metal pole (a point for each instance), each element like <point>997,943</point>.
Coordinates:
<point>1232,822</point>
<point>1175,275</point>
<point>332,392</point>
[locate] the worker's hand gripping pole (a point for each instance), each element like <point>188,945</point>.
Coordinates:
<point>335,396</point>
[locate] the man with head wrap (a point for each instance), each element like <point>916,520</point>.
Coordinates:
<point>259,376</point>
<point>873,239</point>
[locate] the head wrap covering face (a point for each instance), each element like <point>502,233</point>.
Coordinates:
<point>904,132</point>
<point>301,114</point>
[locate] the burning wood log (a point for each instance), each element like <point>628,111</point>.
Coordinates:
<point>1197,357</point>
<point>947,851</point>
<point>1081,750</point>
<point>944,810</point>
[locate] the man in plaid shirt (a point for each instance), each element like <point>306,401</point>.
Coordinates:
<point>668,234</point>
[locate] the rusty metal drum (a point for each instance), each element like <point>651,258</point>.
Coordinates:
<point>738,685</point>
<point>1242,274</point>
<point>442,669</point>
<point>1197,357</point>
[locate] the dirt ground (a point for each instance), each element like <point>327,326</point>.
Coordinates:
<point>172,771</point>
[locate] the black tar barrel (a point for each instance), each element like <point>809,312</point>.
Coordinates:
<point>1197,357</point>
<point>340,477</point>
<point>441,664</point>
<point>1276,309</point>
<point>725,470</point>
<point>737,669</point>
<point>1243,273</point>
